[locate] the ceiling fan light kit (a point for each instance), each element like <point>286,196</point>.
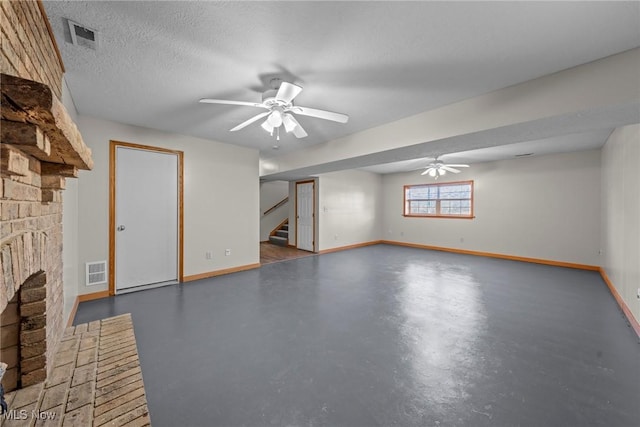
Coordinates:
<point>279,103</point>
<point>289,123</point>
<point>275,118</point>
<point>265,125</point>
<point>439,168</point>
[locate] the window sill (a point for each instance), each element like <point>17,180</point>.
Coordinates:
<point>439,216</point>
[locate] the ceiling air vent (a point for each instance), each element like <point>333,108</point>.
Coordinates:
<point>96,273</point>
<point>83,36</point>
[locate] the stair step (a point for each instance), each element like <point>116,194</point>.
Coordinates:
<point>280,241</point>
<point>282,233</point>
<point>285,227</point>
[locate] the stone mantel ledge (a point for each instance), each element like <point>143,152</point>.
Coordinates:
<point>35,119</point>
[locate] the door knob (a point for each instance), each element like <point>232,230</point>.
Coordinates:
<point>121,228</point>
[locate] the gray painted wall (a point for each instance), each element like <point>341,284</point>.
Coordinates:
<point>621,213</point>
<point>539,207</point>
<point>221,198</point>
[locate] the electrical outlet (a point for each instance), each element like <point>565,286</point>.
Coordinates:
<point>335,237</point>
<point>638,295</point>
<point>208,255</point>
<point>462,240</point>
<point>227,252</point>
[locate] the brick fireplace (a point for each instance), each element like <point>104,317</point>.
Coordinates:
<point>40,148</point>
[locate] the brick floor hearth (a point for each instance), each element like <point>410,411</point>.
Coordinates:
<point>96,380</point>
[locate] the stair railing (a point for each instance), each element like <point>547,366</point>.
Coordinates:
<point>276,206</point>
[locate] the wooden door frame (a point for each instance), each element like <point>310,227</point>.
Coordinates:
<point>313,209</point>
<point>113,145</point>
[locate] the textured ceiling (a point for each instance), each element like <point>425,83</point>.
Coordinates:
<point>375,61</point>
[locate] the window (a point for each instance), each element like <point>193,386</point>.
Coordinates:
<point>449,200</point>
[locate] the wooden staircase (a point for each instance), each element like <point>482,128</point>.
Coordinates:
<point>280,235</point>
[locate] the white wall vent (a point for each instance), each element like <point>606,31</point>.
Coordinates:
<point>96,273</point>
<point>83,36</point>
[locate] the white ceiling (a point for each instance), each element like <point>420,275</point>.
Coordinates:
<point>375,61</point>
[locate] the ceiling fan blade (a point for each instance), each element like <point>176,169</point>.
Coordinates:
<point>287,92</point>
<point>449,168</point>
<point>457,166</point>
<point>228,102</point>
<point>299,132</point>
<point>321,114</point>
<point>251,120</point>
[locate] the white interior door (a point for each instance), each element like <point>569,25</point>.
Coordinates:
<point>146,212</point>
<point>305,216</point>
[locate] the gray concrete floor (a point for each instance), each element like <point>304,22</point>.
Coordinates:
<point>385,336</point>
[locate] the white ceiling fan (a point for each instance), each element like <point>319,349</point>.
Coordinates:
<point>279,105</point>
<point>438,168</point>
